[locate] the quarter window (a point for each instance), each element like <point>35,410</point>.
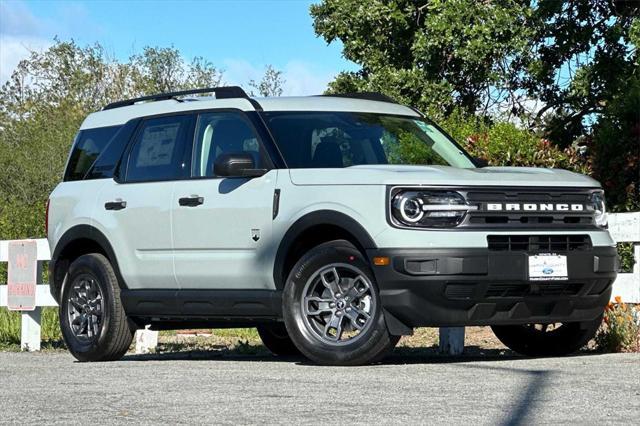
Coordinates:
<point>87,147</point>
<point>159,150</point>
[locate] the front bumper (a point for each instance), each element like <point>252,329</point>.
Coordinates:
<point>478,286</point>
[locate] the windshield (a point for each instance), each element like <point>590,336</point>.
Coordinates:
<point>343,139</point>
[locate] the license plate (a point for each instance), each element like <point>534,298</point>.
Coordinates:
<point>548,266</point>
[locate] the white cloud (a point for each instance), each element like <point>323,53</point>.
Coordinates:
<point>16,19</point>
<point>305,79</point>
<point>301,78</point>
<point>13,49</point>
<point>22,32</point>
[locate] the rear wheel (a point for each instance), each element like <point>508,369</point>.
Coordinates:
<point>277,340</point>
<point>92,320</point>
<point>332,308</point>
<point>547,339</point>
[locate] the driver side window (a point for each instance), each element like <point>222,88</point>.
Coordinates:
<point>220,133</point>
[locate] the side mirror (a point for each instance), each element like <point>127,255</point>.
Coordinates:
<point>480,162</point>
<point>236,165</point>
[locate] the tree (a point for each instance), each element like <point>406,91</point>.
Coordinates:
<point>271,84</point>
<point>436,55</point>
<point>478,56</point>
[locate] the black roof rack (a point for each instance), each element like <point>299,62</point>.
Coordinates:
<point>220,92</point>
<point>369,96</point>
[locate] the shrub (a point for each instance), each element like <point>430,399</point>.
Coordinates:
<point>620,330</point>
<point>505,144</point>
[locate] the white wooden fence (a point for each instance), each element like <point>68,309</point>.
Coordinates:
<point>624,227</point>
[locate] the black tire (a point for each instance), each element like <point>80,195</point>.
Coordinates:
<point>277,340</point>
<point>112,333</point>
<point>531,340</point>
<point>371,343</point>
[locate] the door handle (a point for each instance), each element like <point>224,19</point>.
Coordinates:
<point>115,205</point>
<point>192,201</point>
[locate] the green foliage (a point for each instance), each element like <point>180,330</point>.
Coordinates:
<point>504,144</point>
<point>440,55</point>
<point>627,260</point>
<point>271,84</point>
<point>434,55</point>
<point>616,148</point>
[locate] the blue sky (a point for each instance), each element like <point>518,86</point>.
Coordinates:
<point>240,37</point>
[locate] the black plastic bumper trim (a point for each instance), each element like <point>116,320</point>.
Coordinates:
<point>476,286</point>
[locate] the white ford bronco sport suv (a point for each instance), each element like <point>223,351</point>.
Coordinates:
<point>333,224</point>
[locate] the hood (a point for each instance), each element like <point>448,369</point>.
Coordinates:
<point>441,175</point>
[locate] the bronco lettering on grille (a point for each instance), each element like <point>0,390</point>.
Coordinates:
<point>533,207</point>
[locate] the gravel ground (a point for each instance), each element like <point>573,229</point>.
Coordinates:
<point>408,388</point>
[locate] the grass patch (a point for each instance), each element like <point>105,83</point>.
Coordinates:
<point>10,326</point>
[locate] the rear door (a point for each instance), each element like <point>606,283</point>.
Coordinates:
<point>135,211</point>
<point>222,226</point>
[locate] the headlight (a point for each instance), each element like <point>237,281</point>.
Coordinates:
<point>599,208</point>
<point>429,208</point>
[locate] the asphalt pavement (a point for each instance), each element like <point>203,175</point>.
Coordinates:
<point>179,389</point>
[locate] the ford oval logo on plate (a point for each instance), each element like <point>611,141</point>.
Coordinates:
<point>547,267</point>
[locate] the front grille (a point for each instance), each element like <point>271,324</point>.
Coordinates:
<point>539,243</point>
<point>484,217</point>
<point>542,289</point>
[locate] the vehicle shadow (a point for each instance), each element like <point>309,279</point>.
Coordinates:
<point>400,356</point>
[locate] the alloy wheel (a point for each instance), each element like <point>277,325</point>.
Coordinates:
<point>338,304</point>
<point>85,308</point>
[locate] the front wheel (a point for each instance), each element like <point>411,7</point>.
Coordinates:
<point>547,339</point>
<point>92,320</point>
<point>332,308</point>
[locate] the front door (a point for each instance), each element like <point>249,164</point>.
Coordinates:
<point>222,226</point>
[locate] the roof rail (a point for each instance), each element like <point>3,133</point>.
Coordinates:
<point>369,96</point>
<point>226,92</point>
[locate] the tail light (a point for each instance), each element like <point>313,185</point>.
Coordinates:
<point>46,219</point>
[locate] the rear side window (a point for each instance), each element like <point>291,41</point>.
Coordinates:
<point>86,148</point>
<point>158,152</point>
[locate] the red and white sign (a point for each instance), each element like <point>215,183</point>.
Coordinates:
<point>22,275</point>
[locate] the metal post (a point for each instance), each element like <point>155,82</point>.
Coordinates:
<point>30,333</point>
<point>452,340</point>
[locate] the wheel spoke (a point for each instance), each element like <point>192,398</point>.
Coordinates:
<point>333,284</point>
<point>76,304</point>
<point>354,315</point>
<point>323,305</point>
<point>335,323</point>
<point>90,325</point>
<point>357,288</point>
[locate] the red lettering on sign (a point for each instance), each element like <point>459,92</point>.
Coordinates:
<point>21,290</point>
<point>21,261</point>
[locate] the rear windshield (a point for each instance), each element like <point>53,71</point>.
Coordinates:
<point>86,148</point>
<point>344,139</point>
